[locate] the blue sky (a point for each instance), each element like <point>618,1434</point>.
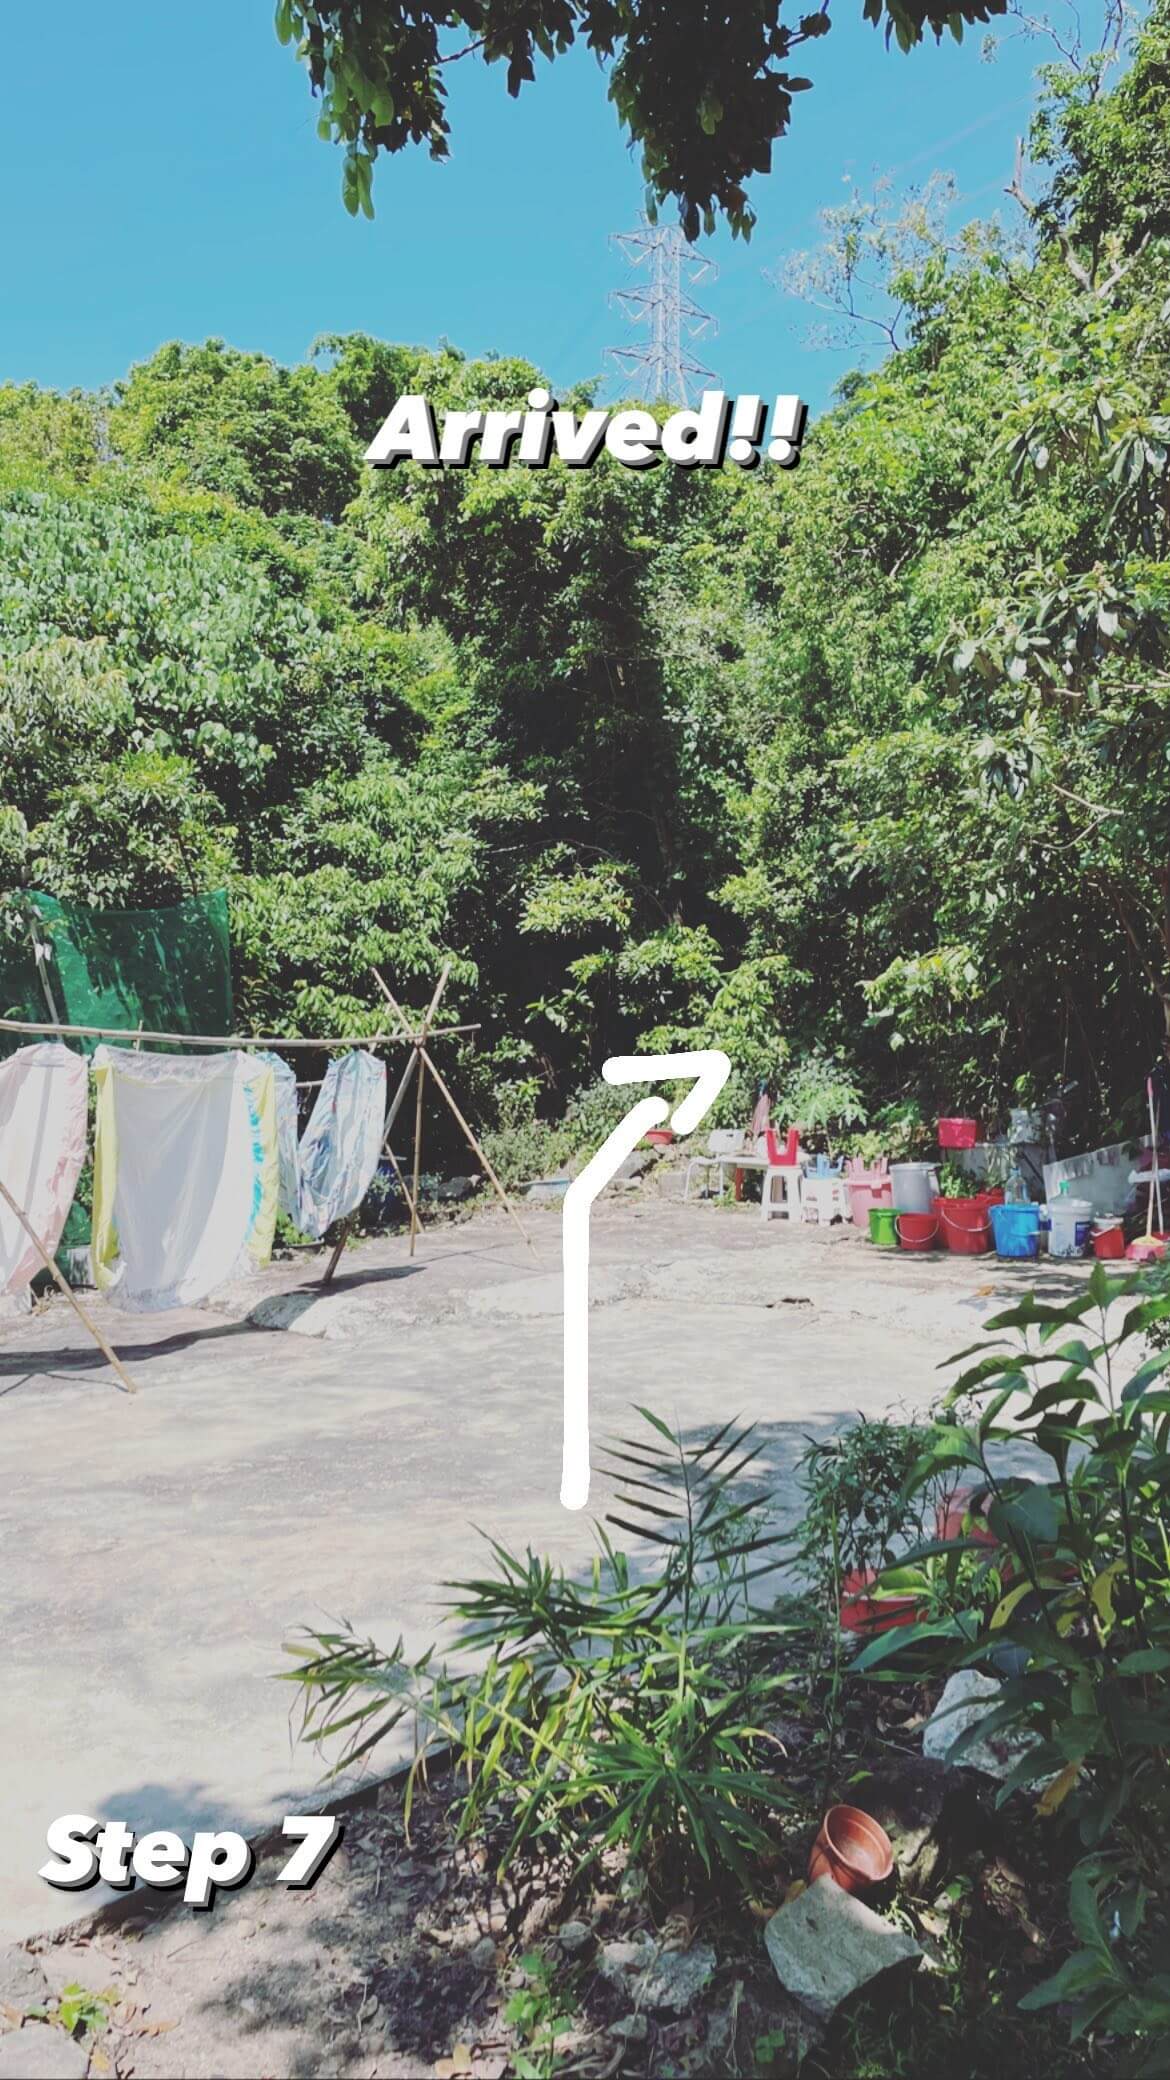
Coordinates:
<point>161,178</point>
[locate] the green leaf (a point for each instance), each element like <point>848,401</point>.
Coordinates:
<point>1144,1661</point>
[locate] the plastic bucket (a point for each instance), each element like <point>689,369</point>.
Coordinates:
<point>882,1228</point>
<point>1016,1230</point>
<point>861,1611</point>
<point>915,1185</point>
<point>964,1225</point>
<point>864,1194</point>
<point>916,1230</point>
<point>1072,1221</point>
<point>1108,1239</point>
<point>958,1133</point>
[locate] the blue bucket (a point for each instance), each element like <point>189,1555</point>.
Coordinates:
<point>1017,1230</point>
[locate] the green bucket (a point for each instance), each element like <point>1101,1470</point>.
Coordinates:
<point>881,1227</point>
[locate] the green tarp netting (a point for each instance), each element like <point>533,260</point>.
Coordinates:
<point>166,970</point>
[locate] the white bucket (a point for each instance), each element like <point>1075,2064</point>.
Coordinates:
<point>915,1186</point>
<point>1072,1225</point>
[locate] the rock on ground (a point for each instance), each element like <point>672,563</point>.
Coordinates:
<point>930,1812</point>
<point>658,1978</point>
<point>38,2052</point>
<point>969,1698</point>
<point>574,1936</point>
<point>22,1982</point>
<point>827,1946</point>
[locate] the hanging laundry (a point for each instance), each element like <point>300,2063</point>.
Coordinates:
<point>42,1148</point>
<point>340,1147</point>
<point>185,1174</point>
<point>285,1089</point>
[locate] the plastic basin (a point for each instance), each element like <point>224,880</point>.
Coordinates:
<point>958,1133</point>
<point>864,1194</point>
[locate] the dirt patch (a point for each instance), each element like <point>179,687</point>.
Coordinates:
<point>404,1959</point>
<point>409,1957</point>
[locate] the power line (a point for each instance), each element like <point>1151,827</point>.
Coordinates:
<point>664,304</point>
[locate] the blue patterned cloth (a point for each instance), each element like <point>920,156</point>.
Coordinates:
<point>329,1172</point>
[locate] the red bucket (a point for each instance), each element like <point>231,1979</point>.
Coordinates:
<point>1109,1239</point>
<point>965,1227</point>
<point>958,1133</point>
<point>917,1230</point>
<point>861,1611</point>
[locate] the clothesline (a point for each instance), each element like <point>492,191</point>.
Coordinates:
<point>23,1025</point>
<point>234,1120</point>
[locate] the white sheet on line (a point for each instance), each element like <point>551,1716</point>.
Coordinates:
<point>185,1174</point>
<point>42,1148</point>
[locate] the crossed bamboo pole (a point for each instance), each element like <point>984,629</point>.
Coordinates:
<point>387,1124</point>
<point>423,1060</point>
<point>50,1265</point>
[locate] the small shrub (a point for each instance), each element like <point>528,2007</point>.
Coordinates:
<point>624,1712</point>
<point>856,1513</point>
<point>538,2014</point>
<point>868,1147</point>
<point>521,1147</point>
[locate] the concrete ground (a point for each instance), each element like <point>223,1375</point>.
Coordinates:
<point>293,1457</point>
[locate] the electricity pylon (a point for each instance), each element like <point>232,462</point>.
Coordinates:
<point>665,306</point>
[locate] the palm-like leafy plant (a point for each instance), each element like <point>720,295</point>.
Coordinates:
<point>625,1712</point>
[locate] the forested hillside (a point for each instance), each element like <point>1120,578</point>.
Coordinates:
<point>869,761</point>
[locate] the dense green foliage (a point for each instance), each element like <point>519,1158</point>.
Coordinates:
<point>702,89</point>
<point>864,762</point>
<point>1079,1624</point>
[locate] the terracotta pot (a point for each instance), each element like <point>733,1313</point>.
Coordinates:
<point>852,1850</point>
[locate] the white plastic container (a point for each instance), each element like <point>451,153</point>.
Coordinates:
<point>1072,1225</point>
<point>915,1186</point>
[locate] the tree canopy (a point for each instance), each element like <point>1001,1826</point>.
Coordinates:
<point>704,90</point>
<point>858,771</point>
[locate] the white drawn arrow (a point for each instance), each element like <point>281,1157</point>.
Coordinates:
<point>710,1069</point>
